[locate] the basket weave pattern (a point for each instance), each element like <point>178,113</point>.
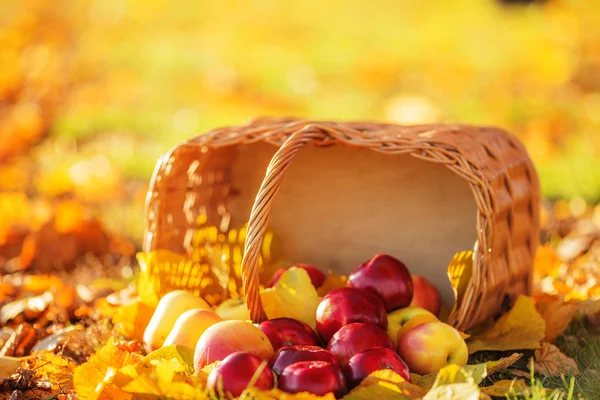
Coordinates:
<point>193,179</point>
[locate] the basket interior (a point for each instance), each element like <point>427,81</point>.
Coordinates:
<point>338,206</point>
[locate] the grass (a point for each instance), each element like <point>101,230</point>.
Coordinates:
<point>580,342</point>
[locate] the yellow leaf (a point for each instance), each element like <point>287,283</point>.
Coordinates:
<point>389,377</point>
<point>546,260</point>
<point>380,391</point>
<point>131,319</point>
<point>503,388</point>
<point>293,296</point>
<point>477,371</point>
<point>183,357</point>
<point>549,361</point>
<point>460,271</point>
<point>502,364</point>
<point>558,315</point>
<point>452,374</point>
<point>454,391</point>
<point>276,394</point>
<point>332,281</point>
<point>520,328</point>
<point>91,377</point>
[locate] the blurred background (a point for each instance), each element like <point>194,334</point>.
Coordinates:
<point>92,92</point>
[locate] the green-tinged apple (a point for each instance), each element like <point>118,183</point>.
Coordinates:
<point>431,346</point>
<point>397,319</point>
<point>233,309</point>
<point>190,326</point>
<point>169,308</point>
<point>228,337</point>
<point>426,295</point>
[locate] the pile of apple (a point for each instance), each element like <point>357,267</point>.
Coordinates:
<point>385,318</point>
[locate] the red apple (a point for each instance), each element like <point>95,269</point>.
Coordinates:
<point>371,360</point>
<point>426,295</point>
<point>386,276</point>
<point>288,355</point>
<point>354,338</point>
<point>316,377</point>
<point>346,305</point>
<point>317,277</point>
<point>431,346</point>
<point>288,332</point>
<point>236,371</point>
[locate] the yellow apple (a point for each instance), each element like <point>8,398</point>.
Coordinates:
<point>190,326</point>
<point>233,309</point>
<point>169,308</point>
<point>397,319</point>
<point>431,346</point>
<point>227,337</point>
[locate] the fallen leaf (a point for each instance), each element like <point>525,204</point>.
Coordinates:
<point>9,365</point>
<point>332,281</point>
<point>131,319</point>
<point>453,374</point>
<point>33,305</point>
<point>454,391</point>
<point>182,355</point>
<point>558,315</point>
<point>520,328</point>
<point>546,260</point>
<point>504,388</point>
<point>502,364</point>
<point>91,377</point>
<point>276,394</point>
<point>293,296</point>
<point>389,377</point>
<point>549,361</point>
<point>382,391</point>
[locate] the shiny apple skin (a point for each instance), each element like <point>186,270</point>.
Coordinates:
<point>316,377</point>
<point>371,360</point>
<point>288,332</point>
<point>317,277</point>
<point>288,355</point>
<point>236,371</point>
<point>386,276</point>
<point>356,337</point>
<point>426,295</point>
<point>347,305</point>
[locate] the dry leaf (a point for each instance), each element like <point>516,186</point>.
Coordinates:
<point>521,328</point>
<point>452,373</point>
<point>549,361</point>
<point>332,281</point>
<point>503,388</point>
<point>293,296</point>
<point>557,315</point>
<point>502,364</point>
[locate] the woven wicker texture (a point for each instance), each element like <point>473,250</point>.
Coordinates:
<point>192,181</point>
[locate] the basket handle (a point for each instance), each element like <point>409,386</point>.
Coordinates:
<point>261,210</point>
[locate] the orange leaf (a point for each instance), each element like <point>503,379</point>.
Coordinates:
<point>549,361</point>
<point>546,260</point>
<point>332,281</point>
<point>520,328</point>
<point>557,315</point>
<point>68,215</point>
<point>132,319</point>
<point>387,379</point>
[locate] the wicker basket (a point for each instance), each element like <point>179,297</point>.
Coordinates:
<point>354,192</point>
